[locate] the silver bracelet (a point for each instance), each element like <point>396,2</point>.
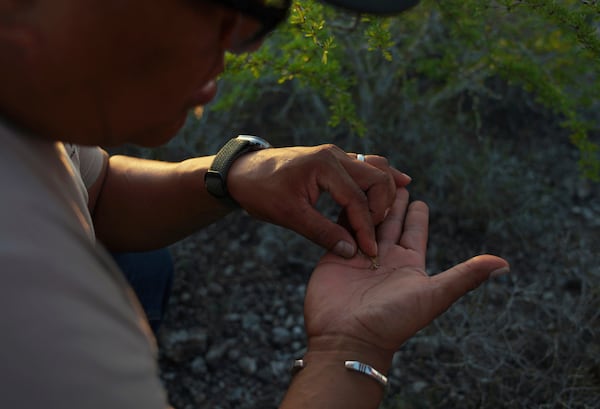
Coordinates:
<point>352,366</point>
<point>367,370</point>
<point>297,366</point>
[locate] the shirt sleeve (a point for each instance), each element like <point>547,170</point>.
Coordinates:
<point>92,160</point>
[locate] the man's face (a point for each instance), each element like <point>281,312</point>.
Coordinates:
<point>129,71</point>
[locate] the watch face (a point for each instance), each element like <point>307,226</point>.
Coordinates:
<point>255,140</point>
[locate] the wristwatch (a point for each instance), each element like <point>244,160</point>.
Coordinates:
<point>215,178</point>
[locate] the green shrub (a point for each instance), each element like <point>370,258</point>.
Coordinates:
<point>441,57</point>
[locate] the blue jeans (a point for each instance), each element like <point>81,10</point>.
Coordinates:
<point>150,274</point>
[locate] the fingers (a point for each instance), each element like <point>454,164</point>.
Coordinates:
<point>362,224</point>
<point>364,190</point>
<point>462,278</point>
<point>379,182</point>
<point>334,237</point>
<point>375,178</point>
<point>347,181</point>
<point>399,179</point>
<point>406,225</point>
<point>390,230</point>
<point>415,232</point>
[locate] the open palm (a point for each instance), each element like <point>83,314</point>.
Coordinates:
<point>385,306</point>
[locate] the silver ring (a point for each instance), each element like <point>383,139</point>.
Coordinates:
<point>360,157</point>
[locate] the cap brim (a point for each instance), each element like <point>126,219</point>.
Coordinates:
<point>384,7</point>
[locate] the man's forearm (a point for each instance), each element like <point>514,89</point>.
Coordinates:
<point>145,204</point>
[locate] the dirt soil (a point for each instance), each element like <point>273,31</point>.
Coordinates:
<point>529,340</point>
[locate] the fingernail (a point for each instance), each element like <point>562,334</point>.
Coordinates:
<point>385,214</point>
<point>409,178</point>
<point>343,249</point>
<point>500,272</point>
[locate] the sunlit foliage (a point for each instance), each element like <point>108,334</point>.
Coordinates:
<point>440,50</point>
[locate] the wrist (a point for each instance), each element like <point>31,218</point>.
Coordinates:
<point>341,348</point>
<point>217,176</point>
<point>324,382</point>
<point>243,176</point>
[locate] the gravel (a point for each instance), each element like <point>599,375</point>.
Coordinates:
<point>531,339</point>
<point>235,320</point>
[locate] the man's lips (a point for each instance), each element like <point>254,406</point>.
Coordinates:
<point>205,94</point>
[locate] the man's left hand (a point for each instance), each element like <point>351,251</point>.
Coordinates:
<point>282,186</point>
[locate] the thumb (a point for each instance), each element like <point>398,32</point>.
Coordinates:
<point>467,276</point>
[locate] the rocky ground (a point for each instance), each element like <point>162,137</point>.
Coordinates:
<point>512,188</point>
<point>235,323</point>
<point>530,340</point>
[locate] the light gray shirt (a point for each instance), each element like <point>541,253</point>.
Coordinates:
<point>72,335</point>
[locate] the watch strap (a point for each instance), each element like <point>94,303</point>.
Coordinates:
<point>215,179</point>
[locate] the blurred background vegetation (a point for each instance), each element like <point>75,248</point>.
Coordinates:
<point>492,107</point>
<point>452,60</point>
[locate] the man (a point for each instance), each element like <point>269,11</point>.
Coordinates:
<point>105,72</point>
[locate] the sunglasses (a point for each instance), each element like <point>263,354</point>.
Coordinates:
<point>269,13</point>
